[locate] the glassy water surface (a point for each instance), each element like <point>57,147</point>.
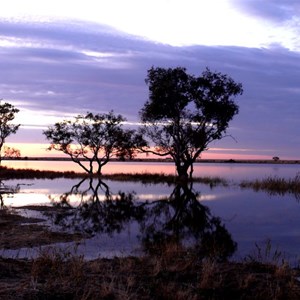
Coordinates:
<point>125,218</point>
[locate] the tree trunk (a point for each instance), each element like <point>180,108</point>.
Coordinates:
<point>1,145</point>
<point>182,171</point>
<point>99,173</point>
<point>91,166</point>
<point>191,170</point>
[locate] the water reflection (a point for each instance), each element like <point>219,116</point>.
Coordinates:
<point>179,219</point>
<point>96,209</point>
<point>182,218</point>
<point>7,191</point>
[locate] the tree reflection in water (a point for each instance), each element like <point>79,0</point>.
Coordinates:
<point>179,219</point>
<point>98,210</point>
<point>182,218</point>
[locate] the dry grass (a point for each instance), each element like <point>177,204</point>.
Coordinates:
<point>10,173</point>
<point>55,268</point>
<point>175,273</point>
<point>144,178</point>
<point>276,185</point>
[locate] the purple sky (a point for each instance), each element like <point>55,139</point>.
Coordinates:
<point>54,68</point>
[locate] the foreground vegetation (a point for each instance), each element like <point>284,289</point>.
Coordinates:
<point>172,273</point>
<point>169,271</point>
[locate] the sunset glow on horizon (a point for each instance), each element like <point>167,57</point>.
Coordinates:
<point>36,150</point>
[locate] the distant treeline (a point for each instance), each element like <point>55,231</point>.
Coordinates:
<point>238,161</point>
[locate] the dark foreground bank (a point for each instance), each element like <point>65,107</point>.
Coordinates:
<point>172,274</point>
<point>170,271</point>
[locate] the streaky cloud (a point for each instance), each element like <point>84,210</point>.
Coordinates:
<point>74,67</point>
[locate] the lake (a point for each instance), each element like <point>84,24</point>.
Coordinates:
<point>144,211</point>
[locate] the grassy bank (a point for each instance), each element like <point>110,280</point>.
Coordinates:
<point>174,273</point>
<point>10,173</point>
<point>272,185</point>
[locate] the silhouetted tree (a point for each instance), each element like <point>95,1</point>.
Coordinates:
<point>185,113</point>
<point>92,138</point>
<point>7,115</point>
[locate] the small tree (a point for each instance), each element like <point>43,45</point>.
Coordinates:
<point>10,152</point>
<point>7,115</point>
<point>185,113</point>
<point>92,138</point>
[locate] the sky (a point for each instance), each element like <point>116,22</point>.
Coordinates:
<point>61,58</point>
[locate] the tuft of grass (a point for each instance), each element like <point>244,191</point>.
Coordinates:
<point>275,185</point>
<point>145,178</point>
<point>57,268</point>
<point>212,181</point>
<point>156,178</point>
<point>266,254</point>
<point>10,173</point>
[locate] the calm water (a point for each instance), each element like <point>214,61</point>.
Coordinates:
<point>123,227</point>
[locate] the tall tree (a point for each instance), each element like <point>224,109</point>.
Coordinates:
<point>92,138</point>
<point>7,115</point>
<point>185,113</point>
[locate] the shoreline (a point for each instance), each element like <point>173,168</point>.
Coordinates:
<point>157,160</point>
<point>169,269</point>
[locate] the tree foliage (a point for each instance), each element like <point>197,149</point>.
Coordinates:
<point>92,138</point>
<point>185,113</point>
<point>10,152</point>
<point>7,115</point>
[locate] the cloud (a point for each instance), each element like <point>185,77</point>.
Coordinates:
<point>73,67</point>
<point>281,17</point>
<point>64,61</point>
<point>278,11</point>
